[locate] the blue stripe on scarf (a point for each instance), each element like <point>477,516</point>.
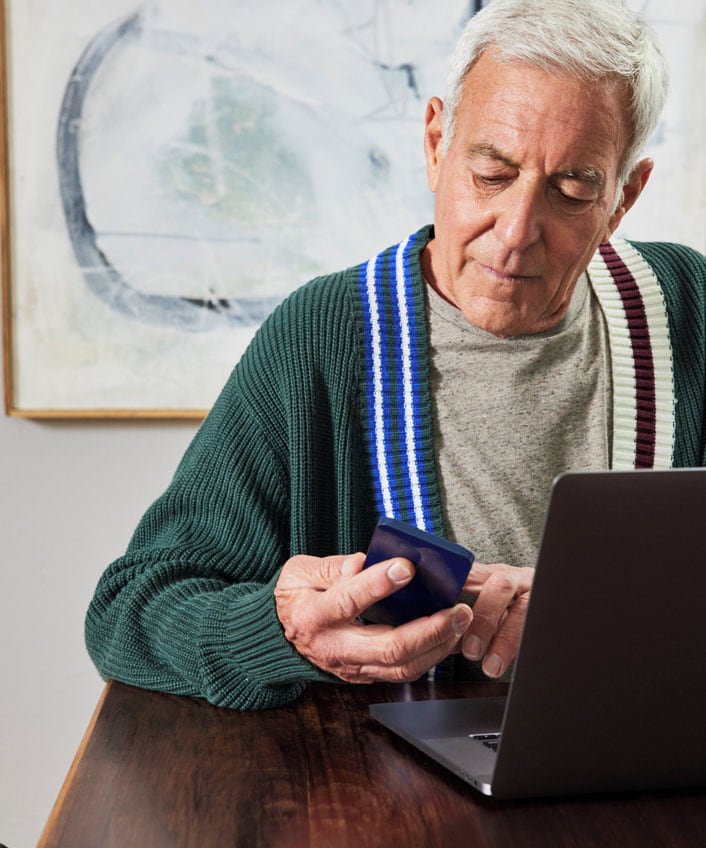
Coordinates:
<point>392,346</point>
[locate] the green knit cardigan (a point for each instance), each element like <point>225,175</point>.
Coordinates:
<point>325,424</point>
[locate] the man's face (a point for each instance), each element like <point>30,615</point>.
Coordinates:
<point>525,193</point>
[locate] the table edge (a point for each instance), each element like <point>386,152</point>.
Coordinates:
<point>47,832</point>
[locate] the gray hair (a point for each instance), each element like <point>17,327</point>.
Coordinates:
<point>590,39</point>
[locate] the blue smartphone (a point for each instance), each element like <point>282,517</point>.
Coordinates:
<point>441,570</point>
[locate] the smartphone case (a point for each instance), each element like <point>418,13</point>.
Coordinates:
<point>441,570</point>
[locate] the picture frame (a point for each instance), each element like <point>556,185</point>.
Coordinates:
<point>171,171</point>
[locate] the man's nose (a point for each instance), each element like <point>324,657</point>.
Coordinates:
<point>519,218</point>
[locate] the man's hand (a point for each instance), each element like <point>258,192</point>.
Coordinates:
<point>319,600</point>
<point>498,614</point>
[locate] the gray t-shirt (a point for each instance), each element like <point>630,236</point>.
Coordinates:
<point>509,415</point>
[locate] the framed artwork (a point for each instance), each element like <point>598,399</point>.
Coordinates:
<point>172,170</point>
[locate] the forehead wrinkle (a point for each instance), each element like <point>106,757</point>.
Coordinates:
<point>489,151</point>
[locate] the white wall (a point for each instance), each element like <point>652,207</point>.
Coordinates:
<point>70,497</point>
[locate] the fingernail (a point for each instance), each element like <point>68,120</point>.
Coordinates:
<point>398,572</point>
<point>461,620</point>
<point>493,665</point>
<point>475,648</point>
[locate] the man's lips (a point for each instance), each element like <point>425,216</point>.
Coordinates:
<point>507,275</point>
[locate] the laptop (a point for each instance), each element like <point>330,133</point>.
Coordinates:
<point>609,686</point>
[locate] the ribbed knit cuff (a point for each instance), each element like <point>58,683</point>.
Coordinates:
<point>249,663</point>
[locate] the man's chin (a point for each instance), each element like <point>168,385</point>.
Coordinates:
<point>508,323</point>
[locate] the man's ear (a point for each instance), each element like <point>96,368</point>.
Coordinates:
<point>432,140</point>
<point>632,189</point>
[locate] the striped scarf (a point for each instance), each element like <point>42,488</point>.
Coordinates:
<point>398,405</point>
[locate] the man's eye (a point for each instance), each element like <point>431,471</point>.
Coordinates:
<point>572,199</point>
<point>492,181</point>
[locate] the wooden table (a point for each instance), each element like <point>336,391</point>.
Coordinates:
<point>159,770</point>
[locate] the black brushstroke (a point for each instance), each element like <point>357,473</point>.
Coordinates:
<point>101,275</point>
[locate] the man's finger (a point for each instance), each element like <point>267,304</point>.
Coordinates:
<point>349,598</point>
<point>404,653</point>
<point>491,605</point>
<point>504,645</point>
<point>481,571</point>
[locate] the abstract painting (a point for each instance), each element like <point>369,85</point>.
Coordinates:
<point>176,169</point>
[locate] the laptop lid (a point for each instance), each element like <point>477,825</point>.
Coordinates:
<point>609,691</point>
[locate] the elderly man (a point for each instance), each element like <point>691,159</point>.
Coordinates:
<point>445,382</point>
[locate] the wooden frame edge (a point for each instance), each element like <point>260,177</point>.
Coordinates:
<point>5,235</point>
<point>108,414</point>
<point>6,270</point>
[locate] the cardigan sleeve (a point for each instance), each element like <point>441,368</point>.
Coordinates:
<point>189,609</point>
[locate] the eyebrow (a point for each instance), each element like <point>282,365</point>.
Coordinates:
<point>490,151</point>
<point>591,176</point>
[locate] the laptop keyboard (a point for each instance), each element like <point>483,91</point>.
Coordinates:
<point>490,740</point>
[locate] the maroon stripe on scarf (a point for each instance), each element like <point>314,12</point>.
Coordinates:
<point>646,399</point>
